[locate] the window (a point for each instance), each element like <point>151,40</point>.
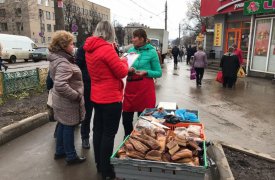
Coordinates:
<point>43,39</point>
<point>49,39</point>
<point>46,2</point>
<point>53,16</point>
<point>52,4</point>
<point>39,2</point>
<point>48,15</point>
<point>261,44</point>
<point>54,27</point>
<point>3,27</point>
<point>49,27</point>
<point>2,1</point>
<point>271,62</point>
<point>19,26</point>
<point>18,12</point>
<point>42,27</point>
<point>2,12</point>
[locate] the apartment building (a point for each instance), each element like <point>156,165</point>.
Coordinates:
<point>36,18</point>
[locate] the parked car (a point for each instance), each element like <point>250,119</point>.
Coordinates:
<point>16,47</point>
<point>40,54</point>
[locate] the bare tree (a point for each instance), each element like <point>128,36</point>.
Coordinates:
<point>85,19</point>
<point>194,22</point>
<point>120,34</point>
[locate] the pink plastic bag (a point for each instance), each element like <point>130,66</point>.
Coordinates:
<point>192,73</point>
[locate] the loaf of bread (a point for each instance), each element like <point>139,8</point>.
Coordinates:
<point>153,155</point>
<point>185,153</point>
<point>139,146</point>
<point>174,149</point>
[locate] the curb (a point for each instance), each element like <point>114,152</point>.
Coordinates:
<point>256,154</point>
<point>223,171</point>
<point>19,128</point>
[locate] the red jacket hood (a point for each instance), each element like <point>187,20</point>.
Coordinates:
<point>92,43</point>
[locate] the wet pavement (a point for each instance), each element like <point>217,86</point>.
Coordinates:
<point>242,116</point>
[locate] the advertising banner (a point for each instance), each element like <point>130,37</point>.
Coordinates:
<point>218,34</point>
<point>259,7</point>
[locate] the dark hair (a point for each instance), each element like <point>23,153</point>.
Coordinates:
<point>140,33</point>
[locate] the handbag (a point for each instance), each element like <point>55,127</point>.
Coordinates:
<point>192,73</point>
<point>219,77</point>
<point>241,73</point>
<point>50,98</point>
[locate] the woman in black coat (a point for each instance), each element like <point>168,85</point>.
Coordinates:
<point>230,66</point>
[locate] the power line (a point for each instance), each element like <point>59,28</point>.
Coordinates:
<point>143,8</point>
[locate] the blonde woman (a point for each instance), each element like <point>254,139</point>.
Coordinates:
<point>68,102</point>
<point>106,70</point>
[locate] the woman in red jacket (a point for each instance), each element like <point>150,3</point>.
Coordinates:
<point>106,70</point>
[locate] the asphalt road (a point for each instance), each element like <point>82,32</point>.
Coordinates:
<point>21,65</point>
<point>243,116</point>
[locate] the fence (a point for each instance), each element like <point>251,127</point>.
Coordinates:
<point>14,82</point>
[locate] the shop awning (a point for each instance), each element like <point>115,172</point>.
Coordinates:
<point>214,7</point>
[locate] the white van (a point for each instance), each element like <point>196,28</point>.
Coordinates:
<point>16,47</point>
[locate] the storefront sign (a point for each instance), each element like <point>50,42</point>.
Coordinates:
<point>218,34</point>
<point>220,6</point>
<point>259,6</point>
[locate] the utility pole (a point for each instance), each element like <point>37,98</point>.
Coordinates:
<point>166,15</point>
<point>179,33</point>
<point>59,16</point>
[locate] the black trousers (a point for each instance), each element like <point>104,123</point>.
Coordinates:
<point>175,60</point>
<point>85,124</point>
<point>106,122</point>
<point>229,81</point>
<point>1,64</point>
<point>127,120</point>
<point>199,75</point>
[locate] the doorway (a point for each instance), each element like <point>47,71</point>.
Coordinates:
<point>233,36</point>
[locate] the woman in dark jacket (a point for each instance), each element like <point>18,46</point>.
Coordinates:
<point>85,125</point>
<point>230,66</point>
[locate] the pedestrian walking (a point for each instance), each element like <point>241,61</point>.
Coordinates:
<point>85,124</point>
<point>230,66</point>
<point>106,71</point>
<point>200,62</point>
<point>189,54</point>
<point>67,95</point>
<point>1,61</point>
<point>181,54</point>
<point>140,88</point>
<point>175,53</point>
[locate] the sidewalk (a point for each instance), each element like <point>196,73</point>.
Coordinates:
<point>243,116</point>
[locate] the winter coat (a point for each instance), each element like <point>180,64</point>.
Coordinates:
<point>239,54</point>
<point>230,65</point>
<point>106,70</point>
<point>81,62</point>
<point>200,59</point>
<point>67,92</point>
<point>175,51</point>
<point>148,60</point>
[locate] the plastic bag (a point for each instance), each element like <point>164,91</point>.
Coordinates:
<point>192,73</point>
<point>219,77</point>
<point>241,73</point>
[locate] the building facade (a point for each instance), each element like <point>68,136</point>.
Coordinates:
<point>251,25</point>
<point>36,18</point>
<point>230,25</point>
<point>129,29</point>
<point>262,44</point>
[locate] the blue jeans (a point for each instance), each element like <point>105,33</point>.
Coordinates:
<point>65,141</point>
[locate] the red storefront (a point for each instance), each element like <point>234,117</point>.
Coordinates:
<point>229,18</point>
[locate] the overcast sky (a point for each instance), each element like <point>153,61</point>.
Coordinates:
<point>148,12</point>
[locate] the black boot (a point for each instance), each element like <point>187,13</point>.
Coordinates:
<point>77,160</point>
<point>85,144</point>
